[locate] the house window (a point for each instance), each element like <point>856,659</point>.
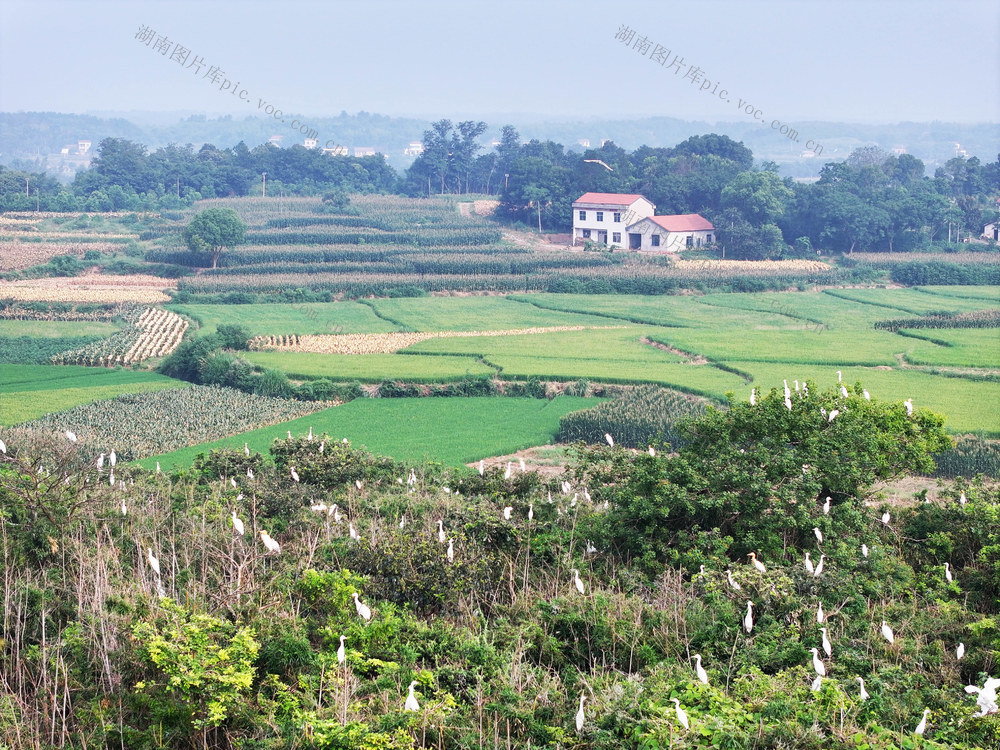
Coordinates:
<point>600,216</point>
<point>586,234</point>
<point>656,240</point>
<point>618,217</point>
<point>708,239</point>
<point>616,236</point>
<point>583,216</point>
<point>690,241</point>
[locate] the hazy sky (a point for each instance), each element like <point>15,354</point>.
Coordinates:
<point>848,60</point>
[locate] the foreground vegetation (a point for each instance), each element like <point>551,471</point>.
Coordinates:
<point>137,616</point>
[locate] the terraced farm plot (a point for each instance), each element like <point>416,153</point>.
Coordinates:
<point>806,309</point>
<point>475,314</point>
<point>970,406</point>
<point>967,347</point>
<point>454,431</point>
<point>910,301</point>
<point>31,391</point>
<point>301,318</point>
<point>52,329</point>
<point>371,368</point>
<point>989,294</point>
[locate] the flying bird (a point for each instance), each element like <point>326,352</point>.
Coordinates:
<point>363,610</point>
<point>272,546</point>
<point>987,700</point>
<point>411,700</point>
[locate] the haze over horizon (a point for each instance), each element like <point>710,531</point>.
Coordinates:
<point>835,61</point>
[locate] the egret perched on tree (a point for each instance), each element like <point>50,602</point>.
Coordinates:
<point>246,450</point>
<point>817,683</point>
<point>757,563</point>
<point>451,551</point>
<point>319,507</point>
<point>482,467</point>
<point>864,550</point>
<point>819,566</point>
<point>843,392</point>
<point>960,651</point>
<point>591,549</point>
<point>411,700</point>
<point>113,458</point>
<point>335,512</point>
<point>922,726</point>
<point>100,462</point>
<point>700,670</point>
<point>523,466</point>
<point>341,652</point>
<point>153,562</point>
<point>826,505</point>
<point>652,451</point>
<point>402,521</point>
<point>354,533</point>
<point>863,694</point>
<point>820,616</point>
<point>887,632</point>
<point>124,508</point>
<point>818,663</point>
<point>886,518</point>
<point>827,646</point>
<point>832,415</point>
<point>272,546</point>
<point>3,447</point>
<point>358,483</point>
<point>310,435</point>
<point>441,536</point>
<point>788,403</point>
<point>71,436</point>
<point>909,407</point>
<point>576,580</point>
<point>238,524</point>
<point>947,573</point>
<point>866,394</point>
<point>249,473</point>
<point>987,700</point>
<point>295,474</point>
<point>531,511</point>
<point>753,397</point>
<point>363,610</point>
<point>580,718</point>
<point>809,564</point>
<point>748,617</point>
<point>962,499</point>
<point>611,440</point>
<point>729,577</point>
<point>682,716</point>
<point>507,471</point>
<point>818,533</point>
<point>506,513</point>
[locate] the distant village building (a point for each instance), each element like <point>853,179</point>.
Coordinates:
<point>276,139</point>
<point>603,217</point>
<point>364,151</point>
<point>414,149</point>
<point>82,147</point>
<point>336,151</point>
<point>585,142</point>
<point>992,232</point>
<point>310,143</point>
<point>670,234</point>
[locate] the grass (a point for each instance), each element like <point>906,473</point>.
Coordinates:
<point>912,301</point>
<point>55,329</point>
<point>967,347</point>
<point>990,294</point>
<point>302,318</point>
<point>31,391</point>
<point>453,431</point>
<point>475,314</point>
<point>804,346</point>
<point>370,367</point>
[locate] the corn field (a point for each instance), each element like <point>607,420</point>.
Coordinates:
<point>151,332</point>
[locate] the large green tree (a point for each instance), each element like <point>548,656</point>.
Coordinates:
<point>214,230</point>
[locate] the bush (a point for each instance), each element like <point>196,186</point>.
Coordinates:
<point>234,337</point>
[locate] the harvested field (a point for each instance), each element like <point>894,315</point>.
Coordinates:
<point>90,288</point>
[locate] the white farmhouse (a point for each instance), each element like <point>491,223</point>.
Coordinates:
<point>992,232</point>
<point>602,217</point>
<point>670,234</point>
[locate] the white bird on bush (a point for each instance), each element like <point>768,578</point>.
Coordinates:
<point>310,435</point>
<point>757,563</point>
<point>700,670</point>
<point>866,394</point>
<point>591,549</point>
<point>840,378</point>
<point>922,726</point>
<point>3,447</point>
<point>272,546</point>
<point>748,618</point>
<point>576,580</point>
<point>887,632</point>
<point>318,507</point>
<point>506,513</point>
<point>611,440</point>
<point>354,533</point>
<point>826,506</point>
<point>100,462</point>
<point>886,518</point>
<point>753,397</point>
<point>402,521</point>
<point>987,700</point>
<point>451,551</point>
<point>531,511</point>
<point>289,434</point>
<point>818,663</point>
<point>232,482</point>
<point>863,694</point>
<point>246,450</point>
<point>947,573</point>
<point>363,610</point>
<point>960,651</point>
<point>962,498</point>
<point>322,446</point>
<point>827,646</point>
<point>818,533</point>
<point>113,459</point>
<point>249,473</point>
<point>833,415</point>
<point>335,512</point>
<point>729,577</point>
<point>482,467</point>
<point>124,508</point>
<point>441,536</point>
<point>864,549</point>
<point>153,562</point>
<point>809,565</point>
<point>295,474</point>
<point>411,700</point>
<point>843,392</point>
<point>71,436</point>
<point>341,652</point>
<point>788,403</point>
<point>819,566</point>
<point>652,451</point>
<point>682,716</point>
<point>580,717</point>
<point>523,466</point>
<point>238,524</point>
<point>820,615</point>
<point>506,473</point>
<point>817,684</point>
<point>358,483</point>
<point>909,407</point>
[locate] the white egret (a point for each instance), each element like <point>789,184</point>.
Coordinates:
<point>402,521</point>
<point>819,566</point>
<point>787,392</point>
<point>788,403</point>
<point>482,467</point>
<point>887,632</point>
<point>652,451</point>
<point>358,483</point>
<point>411,700</point>
<point>100,462</point>
<point>158,468</point>
<point>886,518</point>
<point>531,511</point>
<point>354,533</point>
<point>864,549</point>
<point>611,440</point>
<point>232,482</point>
<point>153,562</point>
<point>682,716</point>
<point>843,392</point>
<point>249,473</point>
<point>3,447</point>
<point>922,726</point>
<point>246,450</point>
<point>757,563</point>
<point>310,435</point>
<point>295,474</point>
<point>591,549</point>
<point>796,386</point>
<point>909,407</point>
<point>572,503</point>
<point>113,458</point>
<point>987,700</point>
<point>753,397</point>
<point>451,551</point>
<point>506,513</point>
<point>748,618</point>
<point>335,512</point>
<point>867,395</point>
<point>947,573</point>
<point>124,508</point>
<point>289,434</point>
<point>238,524</point>
<point>580,718</point>
<point>363,610</point>
<point>809,565</point>
<point>272,546</point>
<point>827,646</point>
<point>322,446</point>
<point>818,533</point>
<point>700,670</point>
<point>863,694</point>
<point>960,651</point>
<point>318,507</point>
<point>826,506</point>
<point>820,615</point>
<point>729,577</point>
<point>71,436</point>
<point>507,472</point>
<point>523,467</point>
<point>818,663</point>
<point>576,580</point>
<point>441,536</point>
<point>817,683</point>
<point>840,379</point>
<point>341,652</point>
<point>832,415</point>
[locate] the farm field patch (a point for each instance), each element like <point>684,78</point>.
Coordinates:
<point>990,294</point>
<point>911,301</point>
<point>475,313</point>
<point>968,347</point>
<point>453,431</point>
<point>302,318</point>
<point>53,329</point>
<point>370,367</point>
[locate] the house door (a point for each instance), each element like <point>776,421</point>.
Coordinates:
<point>634,241</point>
<point>602,237</point>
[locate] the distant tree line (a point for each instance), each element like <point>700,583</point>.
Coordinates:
<point>872,201</point>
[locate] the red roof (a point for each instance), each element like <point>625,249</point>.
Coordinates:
<point>683,223</point>
<point>613,199</point>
